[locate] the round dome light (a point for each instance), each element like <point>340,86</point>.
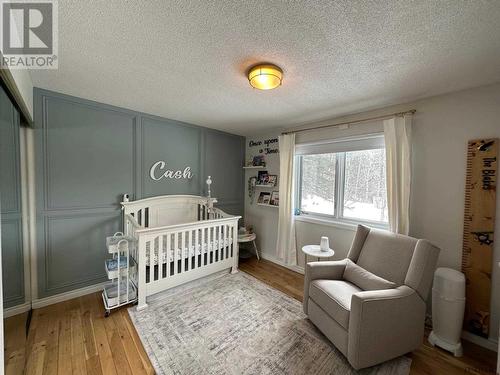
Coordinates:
<point>265,77</point>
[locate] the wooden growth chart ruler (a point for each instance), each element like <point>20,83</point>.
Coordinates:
<point>479,227</point>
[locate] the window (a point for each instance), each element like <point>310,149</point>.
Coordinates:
<point>347,183</point>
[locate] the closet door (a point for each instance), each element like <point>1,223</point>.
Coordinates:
<point>10,204</point>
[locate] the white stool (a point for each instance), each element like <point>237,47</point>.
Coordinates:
<point>243,238</point>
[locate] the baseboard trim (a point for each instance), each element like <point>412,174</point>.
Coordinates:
<point>273,259</point>
<point>489,343</point>
<point>42,302</point>
<point>16,310</point>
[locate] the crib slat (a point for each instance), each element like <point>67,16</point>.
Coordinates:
<point>232,240</point>
<point>183,246</point>
<point>225,242</point>
<point>207,243</point>
<point>214,235</point>
<point>195,244</point>
<point>216,246</point>
<point>160,257</point>
<point>149,252</point>
<point>222,242</point>
<point>190,243</point>
<point>228,248</point>
<point>231,251</point>
<point>220,245</point>
<point>210,257</point>
<point>235,243</point>
<point>169,247</point>
<point>202,243</point>
<point>176,245</point>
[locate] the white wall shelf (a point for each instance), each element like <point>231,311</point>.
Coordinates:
<point>266,186</point>
<point>267,205</point>
<point>255,167</point>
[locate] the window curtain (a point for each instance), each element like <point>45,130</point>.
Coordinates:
<point>286,244</point>
<point>397,134</point>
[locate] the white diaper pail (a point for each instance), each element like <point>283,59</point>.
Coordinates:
<point>448,305</point>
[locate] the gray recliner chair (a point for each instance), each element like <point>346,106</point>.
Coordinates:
<point>372,304</point>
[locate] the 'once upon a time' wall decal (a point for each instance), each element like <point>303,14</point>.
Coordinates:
<point>158,171</point>
<point>267,149</point>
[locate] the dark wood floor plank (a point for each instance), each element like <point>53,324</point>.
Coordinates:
<point>133,357</point>
<point>64,350</point>
<point>51,361</point>
<point>101,339</point>
<point>15,344</point>
<point>78,359</point>
<point>137,342</point>
<point>119,355</point>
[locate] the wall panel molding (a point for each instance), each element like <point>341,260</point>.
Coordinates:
<point>95,274</point>
<point>49,204</point>
<point>73,220</point>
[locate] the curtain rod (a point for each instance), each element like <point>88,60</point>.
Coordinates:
<point>412,111</point>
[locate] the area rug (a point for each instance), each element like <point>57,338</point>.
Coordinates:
<point>235,324</point>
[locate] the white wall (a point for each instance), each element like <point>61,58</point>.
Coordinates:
<point>441,128</point>
<point>264,220</point>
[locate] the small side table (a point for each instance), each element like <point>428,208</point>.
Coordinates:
<point>242,238</point>
<point>315,251</point>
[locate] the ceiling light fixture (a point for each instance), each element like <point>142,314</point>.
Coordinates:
<point>265,76</point>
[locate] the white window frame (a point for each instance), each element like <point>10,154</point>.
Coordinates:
<point>340,147</point>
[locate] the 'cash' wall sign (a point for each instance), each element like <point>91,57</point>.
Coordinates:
<point>159,171</point>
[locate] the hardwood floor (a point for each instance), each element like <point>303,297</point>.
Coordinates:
<point>73,337</point>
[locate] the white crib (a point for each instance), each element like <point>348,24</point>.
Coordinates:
<point>180,238</point>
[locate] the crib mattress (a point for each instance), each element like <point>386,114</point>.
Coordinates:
<point>186,252</point>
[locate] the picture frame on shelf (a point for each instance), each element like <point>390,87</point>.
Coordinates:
<point>262,177</point>
<point>264,198</point>
<point>258,161</point>
<point>275,198</point>
<point>272,179</point>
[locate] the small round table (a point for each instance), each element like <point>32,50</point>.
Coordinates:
<point>315,251</point>
<point>249,238</point>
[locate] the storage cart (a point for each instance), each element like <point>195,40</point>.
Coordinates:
<point>121,269</point>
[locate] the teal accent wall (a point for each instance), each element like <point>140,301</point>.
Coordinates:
<point>10,204</point>
<point>88,154</point>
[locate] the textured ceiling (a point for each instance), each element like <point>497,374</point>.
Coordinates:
<point>186,59</point>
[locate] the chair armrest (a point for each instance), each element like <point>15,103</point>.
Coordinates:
<point>384,324</point>
<point>332,270</point>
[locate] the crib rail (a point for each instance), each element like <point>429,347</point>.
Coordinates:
<point>157,211</point>
<point>173,255</point>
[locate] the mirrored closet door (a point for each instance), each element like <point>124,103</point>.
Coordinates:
<point>15,281</point>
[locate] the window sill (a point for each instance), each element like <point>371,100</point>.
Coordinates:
<point>342,224</point>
